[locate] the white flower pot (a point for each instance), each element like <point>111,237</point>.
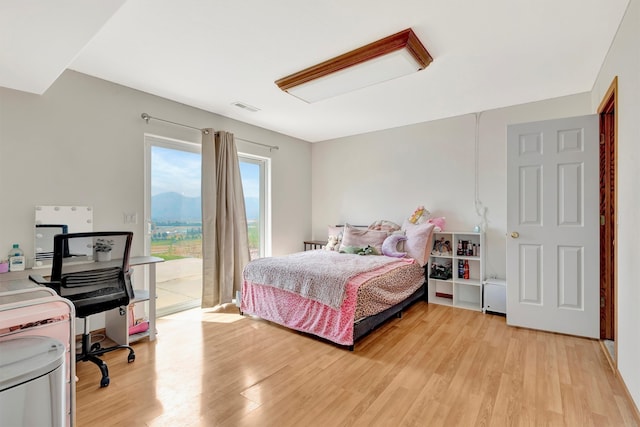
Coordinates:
<point>103,256</point>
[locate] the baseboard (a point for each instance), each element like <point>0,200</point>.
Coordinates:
<point>614,368</point>
<point>612,363</point>
<point>636,412</point>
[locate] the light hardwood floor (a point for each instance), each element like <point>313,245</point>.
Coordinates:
<point>436,366</point>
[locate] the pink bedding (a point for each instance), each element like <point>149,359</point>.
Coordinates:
<point>318,275</point>
<point>366,294</point>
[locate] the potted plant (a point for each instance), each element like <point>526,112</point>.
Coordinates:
<point>103,249</point>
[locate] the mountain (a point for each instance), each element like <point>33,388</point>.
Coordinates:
<point>176,207</point>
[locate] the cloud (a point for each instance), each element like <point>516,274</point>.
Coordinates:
<point>180,172</point>
<point>175,171</point>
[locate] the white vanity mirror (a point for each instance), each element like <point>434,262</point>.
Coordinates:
<point>52,220</point>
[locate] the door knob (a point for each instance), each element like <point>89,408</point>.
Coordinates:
<point>515,234</point>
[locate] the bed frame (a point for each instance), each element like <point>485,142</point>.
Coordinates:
<point>366,325</point>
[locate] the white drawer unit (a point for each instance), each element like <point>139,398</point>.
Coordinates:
<point>495,296</point>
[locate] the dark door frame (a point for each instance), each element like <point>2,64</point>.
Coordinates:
<point>608,112</point>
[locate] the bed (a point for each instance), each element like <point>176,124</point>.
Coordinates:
<point>338,296</point>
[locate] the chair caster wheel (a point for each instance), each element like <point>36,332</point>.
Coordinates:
<point>131,358</point>
<point>95,346</point>
<point>104,382</point>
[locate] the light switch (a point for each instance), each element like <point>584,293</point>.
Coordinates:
<point>130,217</point>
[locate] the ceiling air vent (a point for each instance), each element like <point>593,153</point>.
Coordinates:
<point>245,106</point>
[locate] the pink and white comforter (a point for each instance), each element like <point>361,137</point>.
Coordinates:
<point>367,293</point>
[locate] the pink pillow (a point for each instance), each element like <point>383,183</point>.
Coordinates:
<point>418,240</point>
<point>361,238</point>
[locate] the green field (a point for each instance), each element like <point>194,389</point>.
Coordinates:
<point>191,247</point>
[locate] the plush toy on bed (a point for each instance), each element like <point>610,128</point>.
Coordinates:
<point>367,250</point>
<point>438,223</point>
<point>419,216</point>
<point>332,243</point>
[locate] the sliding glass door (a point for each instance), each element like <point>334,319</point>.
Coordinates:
<point>174,220</point>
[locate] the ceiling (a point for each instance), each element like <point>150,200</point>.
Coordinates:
<point>208,54</point>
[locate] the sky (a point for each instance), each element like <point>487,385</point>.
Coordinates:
<point>250,173</point>
<point>179,171</point>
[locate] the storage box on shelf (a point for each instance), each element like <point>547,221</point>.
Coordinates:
<point>456,269</point>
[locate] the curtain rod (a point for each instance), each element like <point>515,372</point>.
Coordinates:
<point>146,117</point>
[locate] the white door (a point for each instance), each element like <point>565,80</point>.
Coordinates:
<point>553,259</point>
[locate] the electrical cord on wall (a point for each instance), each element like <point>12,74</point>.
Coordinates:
<point>481,210</point>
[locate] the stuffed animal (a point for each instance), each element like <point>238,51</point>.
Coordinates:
<point>332,243</point>
<point>368,250</point>
<point>438,223</point>
<point>420,215</point>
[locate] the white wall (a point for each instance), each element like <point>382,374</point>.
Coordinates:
<point>623,61</point>
<point>386,174</point>
<point>82,143</point>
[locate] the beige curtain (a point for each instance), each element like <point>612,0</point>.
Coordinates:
<point>225,244</point>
